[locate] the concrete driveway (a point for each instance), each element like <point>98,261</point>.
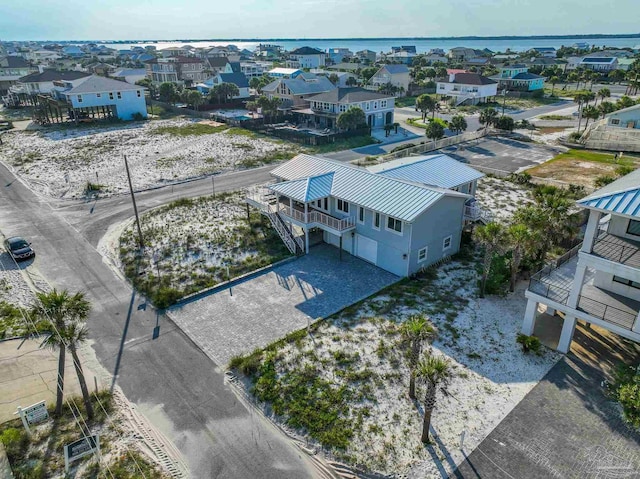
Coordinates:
<point>502,154</point>
<point>265,308</point>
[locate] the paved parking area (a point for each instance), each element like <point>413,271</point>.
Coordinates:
<point>262,309</point>
<point>566,427</point>
<point>502,153</point>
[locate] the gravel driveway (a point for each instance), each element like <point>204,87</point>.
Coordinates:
<point>260,310</point>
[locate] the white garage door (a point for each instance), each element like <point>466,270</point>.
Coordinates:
<point>367,248</point>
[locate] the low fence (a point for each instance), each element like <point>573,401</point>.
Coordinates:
<point>433,145</point>
<point>307,138</point>
<point>176,109</point>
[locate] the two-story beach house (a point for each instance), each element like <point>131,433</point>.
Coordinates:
<point>13,68</point>
<point>324,108</point>
<point>468,87</point>
<point>42,83</point>
<point>518,78</point>
<point>397,75</point>
<point>398,224</point>
<point>597,282</point>
<point>176,69</point>
<point>293,92</point>
<point>306,57</point>
<point>95,93</point>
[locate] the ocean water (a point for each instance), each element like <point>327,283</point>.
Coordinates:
<point>384,45</point>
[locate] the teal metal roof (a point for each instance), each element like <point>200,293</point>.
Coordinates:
<point>401,199</point>
<point>436,170</point>
<point>621,197</point>
<point>307,189</point>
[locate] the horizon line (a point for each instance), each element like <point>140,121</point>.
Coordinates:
<point>272,39</point>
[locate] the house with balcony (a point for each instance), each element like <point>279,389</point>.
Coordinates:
<point>518,78</point>
<point>237,79</point>
<point>471,88</point>
<point>176,69</point>
<point>96,95</point>
<point>597,282</point>
<point>13,68</point>
<point>293,92</point>
<point>337,55</point>
<point>324,108</point>
<point>398,225</point>
<point>397,75</point>
<point>600,64</point>
<point>367,56</point>
<point>306,57</point>
<point>544,52</point>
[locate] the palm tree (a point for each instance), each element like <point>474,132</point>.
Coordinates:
<point>424,103</point>
<point>491,237</point>
<point>434,371</point>
<point>61,309</point>
<point>553,80</point>
<point>458,124</point>
<point>579,98</point>
<point>415,331</point>
<point>520,239</point>
<point>606,107</point>
<point>604,93</point>
<point>590,113</point>
<point>434,130</point>
<point>74,335</point>
<point>488,116</point>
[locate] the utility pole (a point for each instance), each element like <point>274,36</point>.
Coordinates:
<point>133,200</point>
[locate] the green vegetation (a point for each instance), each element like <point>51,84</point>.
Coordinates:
<point>175,264</point>
<point>343,144</point>
<point>556,117</point>
<point>40,456</point>
<point>267,159</point>
<point>192,129</point>
<point>530,344</point>
<point>586,155</point>
<point>626,390</point>
<point>405,101</point>
<point>160,112</point>
<point>13,324</point>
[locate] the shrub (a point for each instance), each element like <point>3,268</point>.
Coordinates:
<point>528,343</point>
<point>523,178</point>
<point>137,116</point>
<point>165,297</point>
<point>498,278</point>
<point>603,180</point>
<point>505,123</point>
<point>537,94</point>
<point>15,442</point>
<point>626,390</point>
<point>623,170</point>
<point>575,137</point>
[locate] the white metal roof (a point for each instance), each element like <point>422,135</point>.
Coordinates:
<point>401,199</point>
<point>436,170</point>
<point>306,189</point>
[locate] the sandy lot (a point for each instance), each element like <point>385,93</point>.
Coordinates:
<point>59,163</point>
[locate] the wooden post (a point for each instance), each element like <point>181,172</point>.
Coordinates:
<point>340,247</point>
<point>248,214</point>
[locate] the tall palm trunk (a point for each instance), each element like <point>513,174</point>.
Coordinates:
<point>516,259</point>
<point>82,381</point>
<point>415,357</point>
<point>60,389</point>
<point>429,404</point>
<point>486,267</point>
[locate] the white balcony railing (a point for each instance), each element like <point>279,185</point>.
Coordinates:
<point>317,217</point>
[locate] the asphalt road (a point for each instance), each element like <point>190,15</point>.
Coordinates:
<point>165,374</point>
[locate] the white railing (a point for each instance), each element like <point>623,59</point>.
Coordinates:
<point>315,216</point>
<point>261,197</point>
<point>297,215</point>
<point>282,230</point>
<point>475,213</point>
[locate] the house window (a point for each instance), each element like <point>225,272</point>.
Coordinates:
<point>615,121</point>
<point>422,254</point>
<point>361,215</point>
<point>633,228</point>
<point>383,103</point>
<point>139,93</point>
<point>375,105</point>
<point>394,224</point>
<point>119,95</point>
<point>342,206</point>
<point>110,95</point>
<point>626,281</point>
<point>79,98</point>
<point>367,105</point>
<point>98,95</point>
<point>446,243</point>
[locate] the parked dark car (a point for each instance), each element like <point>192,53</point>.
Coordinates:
<point>19,248</point>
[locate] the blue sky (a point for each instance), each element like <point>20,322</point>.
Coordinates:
<point>173,19</point>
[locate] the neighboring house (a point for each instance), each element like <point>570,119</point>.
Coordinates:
<point>337,55</point>
<point>600,64</point>
<point>252,69</point>
<point>324,108</point>
<point>38,56</point>
<point>461,54</point>
<point>43,83</point>
<point>573,63</point>
<point>517,78</point>
<point>343,77</point>
<point>545,52</point>
<point>269,51</point>
<point>294,91</point>
<point>72,51</point>
<point>123,99</point>
<point>400,226</point>
<point>238,79</point>
<point>306,57</point>
<point>400,57</point>
<point>11,70</point>
<point>581,46</point>
<point>625,118</point>
<point>175,52</point>
<point>129,75</point>
<point>346,67</point>
<point>397,75</point>
<point>404,48</point>
<point>624,64</point>
<point>280,72</point>
<point>367,56</point>
<point>216,65</point>
<point>600,284</point>
<point>181,70</point>
<point>477,62</point>
<point>435,57</point>
<point>468,87</point>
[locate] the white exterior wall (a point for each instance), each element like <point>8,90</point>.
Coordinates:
<point>459,89</point>
<point>396,79</point>
<point>309,61</point>
<point>128,105</point>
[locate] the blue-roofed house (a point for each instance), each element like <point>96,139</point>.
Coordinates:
<point>238,79</point>
<point>598,282</point>
<point>294,91</point>
<point>72,51</point>
<point>397,75</point>
<point>400,225</point>
<point>600,64</point>
<point>518,78</point>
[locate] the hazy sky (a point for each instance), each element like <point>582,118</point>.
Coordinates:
<point>173,19</point>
